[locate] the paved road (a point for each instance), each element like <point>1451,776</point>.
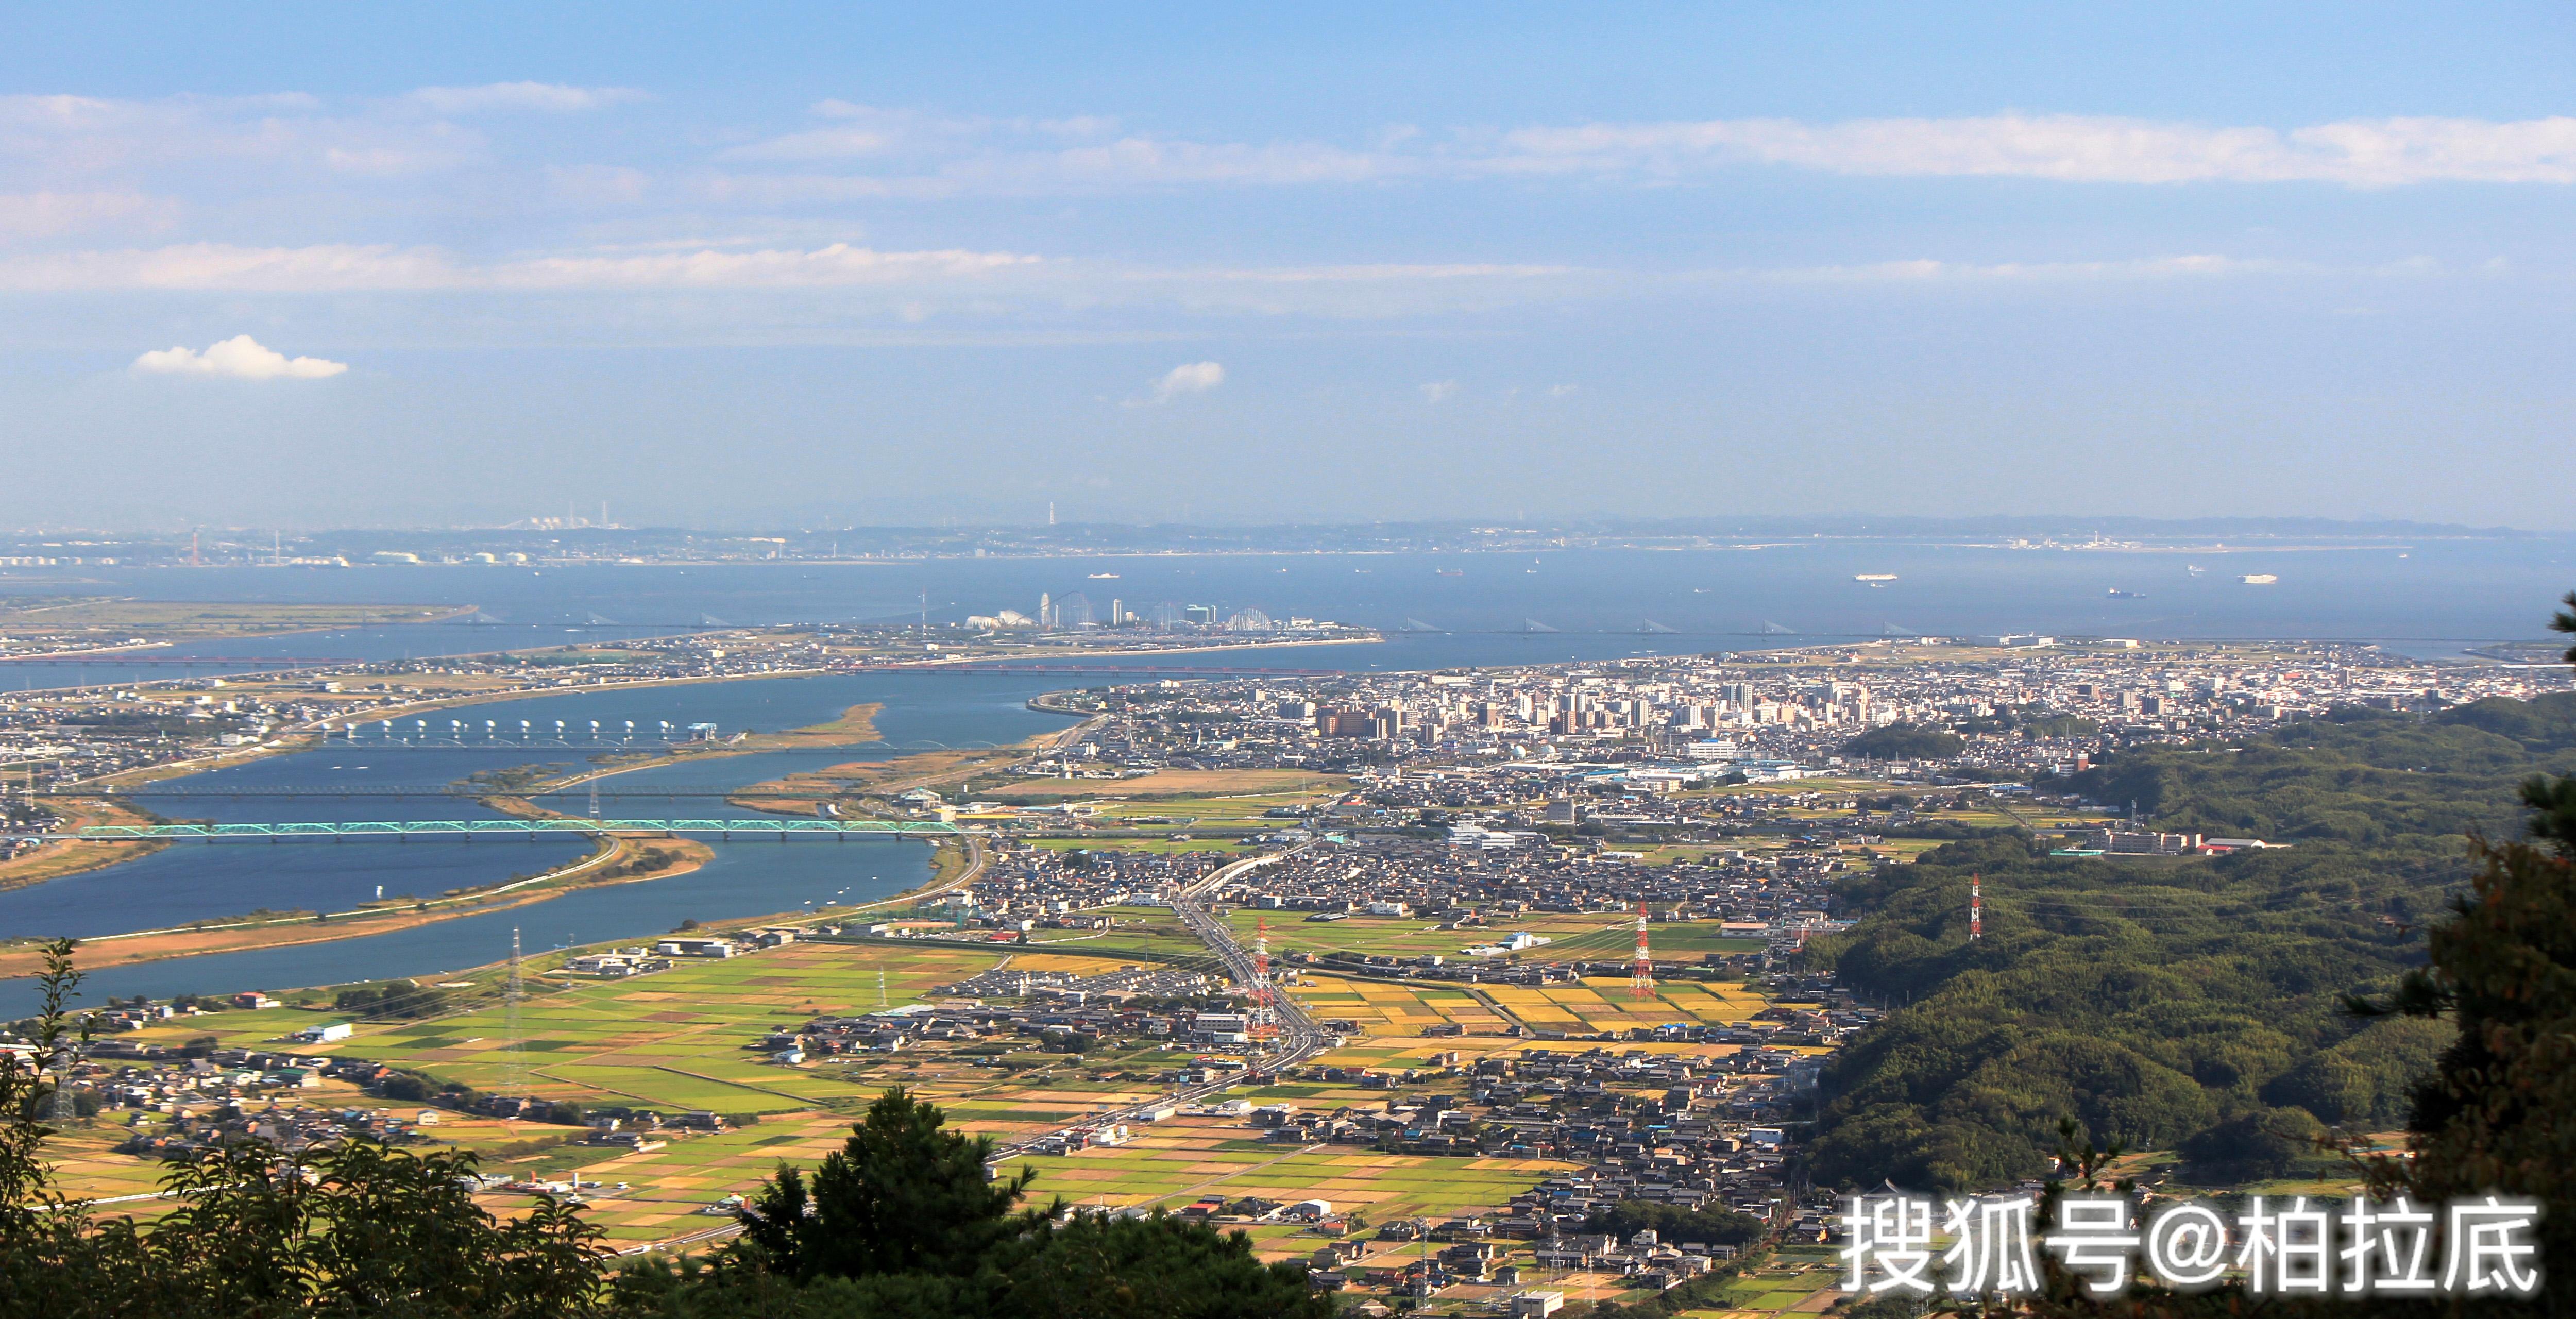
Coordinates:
<point>1299,1037</point>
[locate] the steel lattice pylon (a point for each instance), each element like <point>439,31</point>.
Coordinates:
<point>1262,1023</point>
<point>1641,972</point>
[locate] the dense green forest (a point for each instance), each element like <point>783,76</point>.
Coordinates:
<point>2186,1004</point>
<point>2363,777</point>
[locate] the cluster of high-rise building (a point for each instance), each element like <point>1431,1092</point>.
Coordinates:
<point>2017,711</point>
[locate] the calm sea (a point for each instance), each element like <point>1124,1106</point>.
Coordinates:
<point>2428,598</point>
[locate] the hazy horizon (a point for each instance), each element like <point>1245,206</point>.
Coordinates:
<point>1470,530</point>
<point>812,265</point>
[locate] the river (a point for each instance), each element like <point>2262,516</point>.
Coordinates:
<point>1444,610</point>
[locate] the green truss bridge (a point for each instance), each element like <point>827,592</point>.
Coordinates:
<point>473,829</point>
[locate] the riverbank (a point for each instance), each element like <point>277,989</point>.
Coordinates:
<point>617,858</point>
<point>58,860</point>
<point>622,859</point>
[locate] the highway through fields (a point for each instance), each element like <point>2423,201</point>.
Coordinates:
<point>1299,1037</point>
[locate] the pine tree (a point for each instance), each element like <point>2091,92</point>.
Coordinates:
<point>2499,1111</point>
<point>902,1195</point>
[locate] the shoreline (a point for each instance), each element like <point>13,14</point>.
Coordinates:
<point>365,922</point>
<point>372,921</point>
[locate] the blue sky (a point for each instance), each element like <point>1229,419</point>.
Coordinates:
<point>850,264</point>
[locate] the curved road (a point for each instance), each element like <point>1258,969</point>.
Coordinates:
<point>1299,1037</point>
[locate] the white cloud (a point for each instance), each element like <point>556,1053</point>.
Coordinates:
<point>949,155</point>
<point>65,138</point>
<point>239,358</point>
<point>855,131</point>
<point>325,268</point>
<point>44,214</point>
<point>1439,391</point>
<point>1921,271</point>
<point>2364,153</point>
<point>1150,161</point>
<point>385,268</point>
<point>520,96</point>
<point>1192,378</point>
<point>836,264</point>
<point>1392,273</point>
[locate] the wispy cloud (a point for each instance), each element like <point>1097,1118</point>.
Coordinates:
<point>2361,153</point>
<point>57,139</point>
<point>238,358</point>
<point>918,155</point>
<point>386,268</point>
<point>45,214</point>
<point>545,96</point>
<point>1927,271</point>
<point>836,264</point>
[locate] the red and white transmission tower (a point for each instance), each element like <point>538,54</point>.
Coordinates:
<point>1263,1021</point>
<point>1641,973</point>
<point>1976,908</point>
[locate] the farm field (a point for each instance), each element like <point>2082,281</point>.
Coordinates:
<point>673,1041</point>
<point>686,1039</point>
<point>1570,936</point>
<point>1170,1164</point>
<point>1589,1007</point>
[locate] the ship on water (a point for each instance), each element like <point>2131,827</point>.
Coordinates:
<point>2117,594</point>
<point>1876,581</point>
<point>2259,578</point>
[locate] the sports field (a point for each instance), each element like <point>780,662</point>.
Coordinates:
<point>1203,786</point>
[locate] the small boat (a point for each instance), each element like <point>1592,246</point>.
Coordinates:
<point>1449,572</point>
<point>2259,578</point>
<point>1103,577</point>
<point>1874,578</point>
<point>2117,594</point>
<point>2194,569</point>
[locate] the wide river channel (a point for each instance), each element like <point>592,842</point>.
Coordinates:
<point>1440,610</point>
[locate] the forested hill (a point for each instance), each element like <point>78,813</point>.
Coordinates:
<point>2184,1004</point>
<point>2354,776</point>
